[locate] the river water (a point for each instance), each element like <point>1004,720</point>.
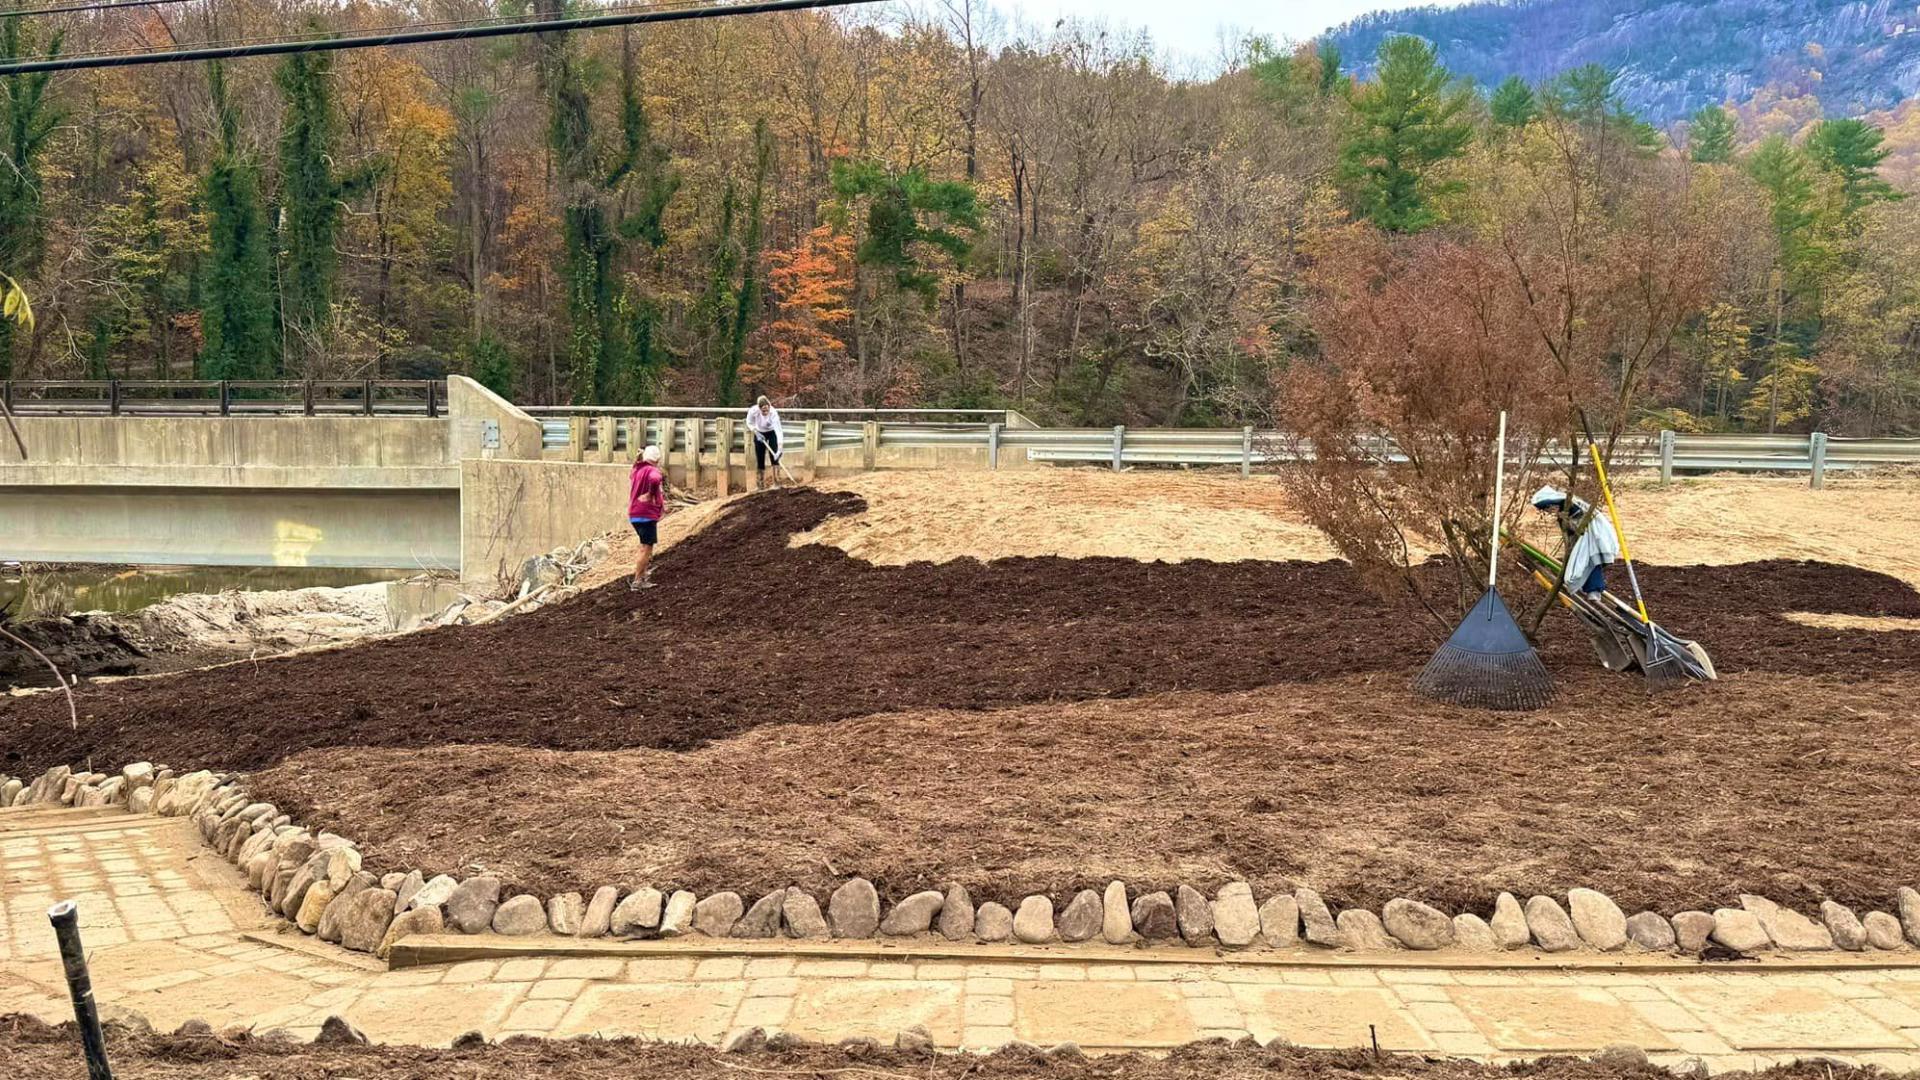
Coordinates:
<point>35,591</point>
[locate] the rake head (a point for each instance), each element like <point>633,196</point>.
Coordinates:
<point>1487,663</point>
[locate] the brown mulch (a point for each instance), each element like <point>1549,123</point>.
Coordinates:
<point>745,630</point>
<point>29,1048</point>
<point>1794,787</point>
<point>774,714</point>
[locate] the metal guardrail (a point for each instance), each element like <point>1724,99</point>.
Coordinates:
<point>1247,448</point>
<point>225,397</point>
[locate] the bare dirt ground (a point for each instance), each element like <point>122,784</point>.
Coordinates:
<point>1082,513</point>
<point>29,1048</point>
<point>778,713</point>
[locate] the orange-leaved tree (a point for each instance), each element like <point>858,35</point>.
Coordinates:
<point>810,284</point>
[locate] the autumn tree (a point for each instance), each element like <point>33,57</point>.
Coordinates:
<point>1424,341</point>
<point>809,284</point>
<point>1412,119</point>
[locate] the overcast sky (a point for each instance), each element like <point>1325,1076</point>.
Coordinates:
<point>1194,27</point>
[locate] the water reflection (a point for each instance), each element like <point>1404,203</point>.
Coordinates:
<point>33,591</point>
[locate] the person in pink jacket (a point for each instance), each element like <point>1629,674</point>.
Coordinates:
<point>646,505</point>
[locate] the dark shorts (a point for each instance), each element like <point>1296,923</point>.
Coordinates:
<point>649,530</point>
<point>1596,581</point>
<point>763,442</point>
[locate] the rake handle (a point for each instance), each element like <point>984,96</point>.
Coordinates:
<point>1619,530</point>
<point>1499,490</point>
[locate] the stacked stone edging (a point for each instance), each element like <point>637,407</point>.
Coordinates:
<point>315,881</point>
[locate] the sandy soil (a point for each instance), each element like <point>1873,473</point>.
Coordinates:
<point>29,1048</point>
<point>1079,513</point>
<point>1072,513</point>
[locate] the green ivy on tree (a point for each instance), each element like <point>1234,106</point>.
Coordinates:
<point>27,120</point>
<point>237,300</point>
<point>312,194</point>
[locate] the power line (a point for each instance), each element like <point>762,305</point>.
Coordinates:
<point>363,31</point>
<point>417,37</point>
<point>104,5</point>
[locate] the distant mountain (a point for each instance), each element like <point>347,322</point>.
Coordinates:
<point>1673,56</point>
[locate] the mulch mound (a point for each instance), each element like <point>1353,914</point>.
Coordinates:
<point>31,1048</point>
<point>745,630</point>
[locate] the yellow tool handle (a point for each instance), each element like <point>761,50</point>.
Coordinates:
<point>1613,516</point>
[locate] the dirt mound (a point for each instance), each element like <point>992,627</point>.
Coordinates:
<point>31,1048</point>
<point>746,630</point>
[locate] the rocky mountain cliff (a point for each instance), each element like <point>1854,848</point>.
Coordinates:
<point>1673,55</point>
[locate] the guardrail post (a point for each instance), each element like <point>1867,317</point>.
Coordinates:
<point>696,434</point>
<point>433,411</point>
<point>1246,452</point>
<point>576,438</point>
<point>993,446</point>
<point>606,438</point>
<point>869,443</point>
<point>1817,452</point>
<point>811,452</point>
<point>723,448</point>
<point>366,392</point>
<point>1119,444</point>
<point>306,395</point>
<point>113,397</point>
<point>1666,456</point>
<point>226,398</point>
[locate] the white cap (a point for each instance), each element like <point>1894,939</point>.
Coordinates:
<point>651,455</point>
<point>1547,496</point>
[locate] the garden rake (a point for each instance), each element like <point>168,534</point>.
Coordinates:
<point>776,455</point>
<point>1488,663</point>
<point>1659,661</point>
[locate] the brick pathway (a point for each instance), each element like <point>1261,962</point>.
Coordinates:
<point>173,934</point>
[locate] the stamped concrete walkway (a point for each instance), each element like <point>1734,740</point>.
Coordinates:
<point>173,934</point>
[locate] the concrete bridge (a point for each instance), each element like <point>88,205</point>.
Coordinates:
<point>376,491</point>
<point>472,490</point>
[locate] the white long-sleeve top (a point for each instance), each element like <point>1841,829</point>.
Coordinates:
<point>1599,545</point>
<point>763,422</point>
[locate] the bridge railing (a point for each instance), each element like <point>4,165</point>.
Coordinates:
<point>225,397</point>
<point>1246,448</point>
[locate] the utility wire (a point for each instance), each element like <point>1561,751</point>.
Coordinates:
<point>362,31</point>
<point>104,5</point>
<point>416,37</point>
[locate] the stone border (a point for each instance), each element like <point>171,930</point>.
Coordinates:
<point>316,882</point>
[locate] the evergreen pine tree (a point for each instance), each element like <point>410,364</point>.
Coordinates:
<point>236,317</point>
<point>1852,151</point>
<point>1512,104</point>
<point>1710,136</point>
<point>1411,118</point>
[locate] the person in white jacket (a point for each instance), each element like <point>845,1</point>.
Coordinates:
<point>1595,544</point>
<point>763,427</point>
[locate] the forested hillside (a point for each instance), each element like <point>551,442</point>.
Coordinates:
<point>1672,56</point>
<point>885,209</point>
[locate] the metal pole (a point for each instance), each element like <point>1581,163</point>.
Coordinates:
<point>66,929</point>
<point>1119,444</point>
<point>1246,452</point>
<point>1666,456</point>
<point>1817,451</point>
<point>993,446</point>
